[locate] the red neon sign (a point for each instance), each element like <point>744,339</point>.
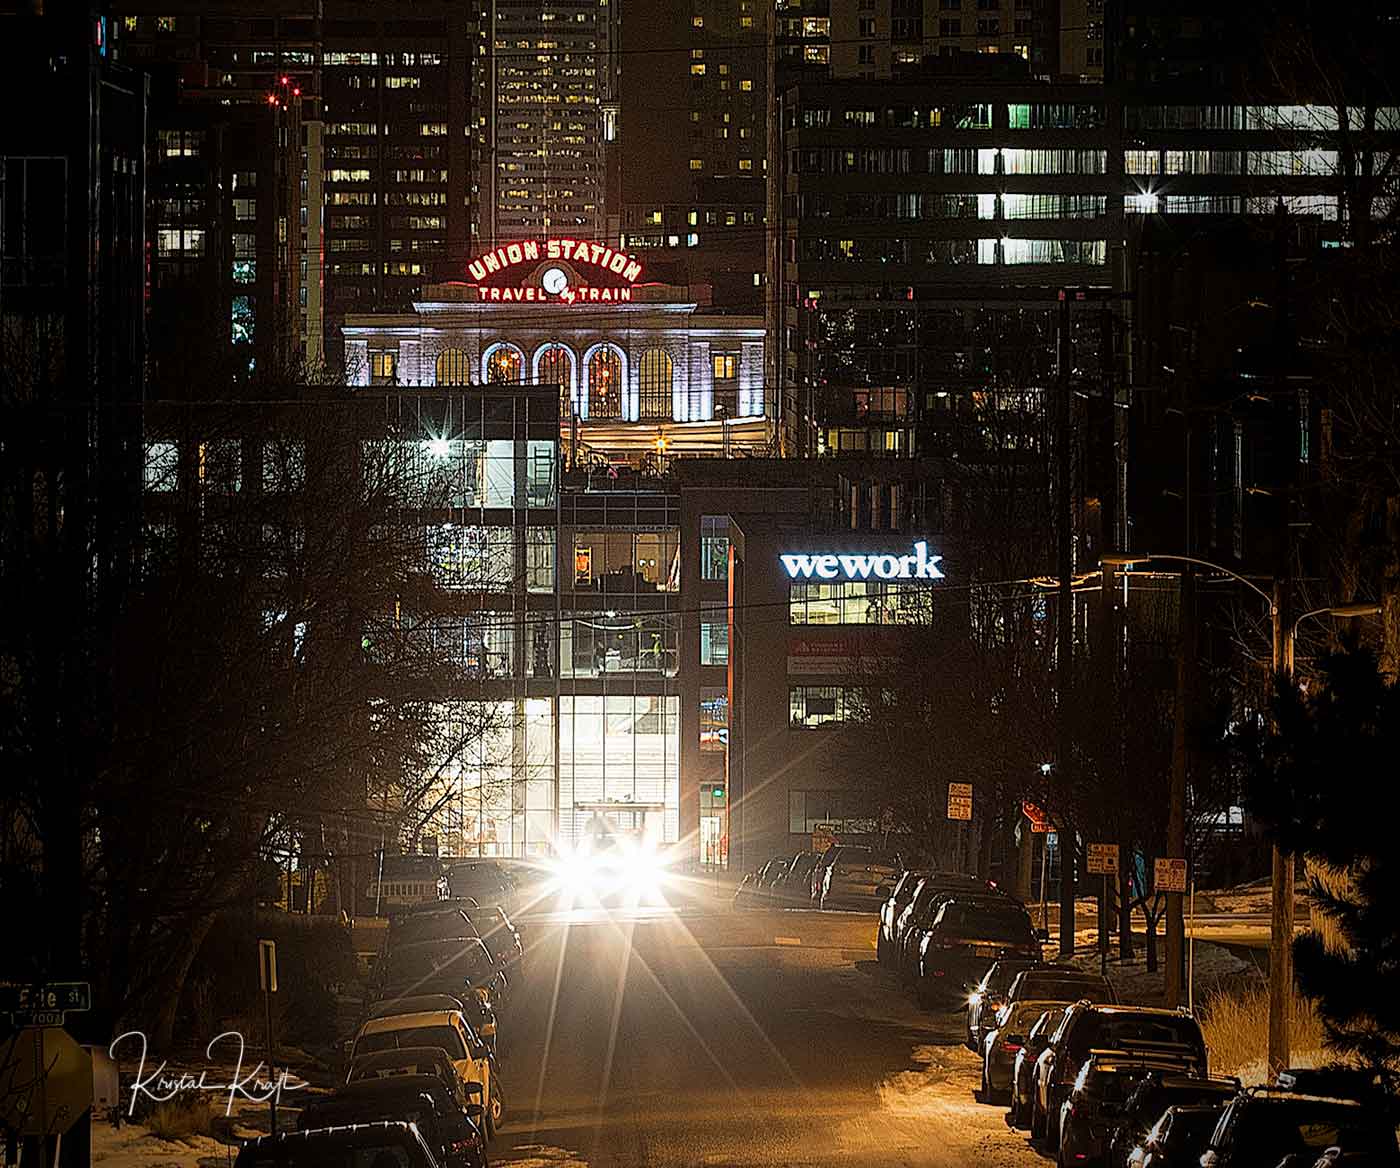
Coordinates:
<point>576,251</point>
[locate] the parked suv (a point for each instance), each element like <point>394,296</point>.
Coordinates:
<point>1023,1069</point>
<point>928,894</point>
<point>964,939</point>
<point>1153,1096</point>
<point>1261,1129</point>
<point>990,995</point>
<point>1086,1027</point>
<point>890,908</point>
<point>859,878</point>
<point>1094,1107</point>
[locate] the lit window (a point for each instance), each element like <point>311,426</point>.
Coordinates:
<point>714,547</point>
<point>697,69</point>
<point>746,86</point>
<point>696,164</point>
<point>746,164</point>
<point>725,366</point>
<point>382,364</point>
<point>697,22</point>
<point>605,384</point>
<point>714,636</point>
<point>655,372</point>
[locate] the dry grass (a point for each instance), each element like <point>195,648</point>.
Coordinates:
<point>186,1115</point>
<point>1236,1028</point>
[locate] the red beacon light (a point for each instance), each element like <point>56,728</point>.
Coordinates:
<point>284,81</point>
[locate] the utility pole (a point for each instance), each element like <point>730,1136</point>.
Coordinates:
<point>1281,924</point>
<point>1064,628</point>
<point>1176,800</point>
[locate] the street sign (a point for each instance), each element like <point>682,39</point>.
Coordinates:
<point>823,837</point>
<point>1169,875</point>
<point>1101,860</point>
<point>45,1082</point>
<point>959,800</point>
<point>1039,823</point>
<point>267,966</point>
<point>43,1004</point>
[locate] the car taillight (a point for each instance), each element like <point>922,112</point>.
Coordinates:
<point>1010,1047</point>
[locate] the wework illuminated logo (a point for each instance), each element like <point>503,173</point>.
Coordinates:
<point>918,566</point>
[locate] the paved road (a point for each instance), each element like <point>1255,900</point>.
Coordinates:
<point>764,1038</point>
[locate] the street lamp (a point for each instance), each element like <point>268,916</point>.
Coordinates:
<point>1281,924</point>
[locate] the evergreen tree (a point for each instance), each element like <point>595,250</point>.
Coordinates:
<point>1322,778</point>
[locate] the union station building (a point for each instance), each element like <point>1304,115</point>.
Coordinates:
<point>643,368</point>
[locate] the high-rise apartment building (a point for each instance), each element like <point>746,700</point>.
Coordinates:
<point>309,161</point>
<point>396,101</point>
<point>694,91</point>
<point>548,119</point>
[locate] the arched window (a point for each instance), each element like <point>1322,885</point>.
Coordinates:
<point>453,368</point>
<point>504,363</point>
<point>655,372</point>
<point>605,383</point>
<point>554,365</point>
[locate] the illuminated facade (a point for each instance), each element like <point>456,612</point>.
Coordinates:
<point>643,368</point>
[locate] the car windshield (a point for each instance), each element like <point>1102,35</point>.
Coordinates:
<point>1052,986</point>
<point>1000,976</point>
<point>443,1037</point>
<point>984,923</point>
<point>1270,1129</point>
<point>467,961</point>
<point>330,1153</point>
<point>1191,1129</point>
<point>1127,1030</point>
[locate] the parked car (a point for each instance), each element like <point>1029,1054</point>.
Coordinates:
<point>756,888</point>
<point>1093,1108</point>
<point>440,1110</point>
<point>450,1030</point>
<point>859,878</point>
<point>793,884</point>
<point>486,879</point>
<point>1177,1139</point>
<point>965,937</point>
<point>989,996</point>
<point>368,1144</point>
<point>1013,1031</point>
<point>929,893</point>
<point>890,908</point>
<point>1262,1129</point>
<point>817,876</point>
<point>1023,1068</point>
<point>453,966</point>
<point>475,1004</point>
<point>1087,1027</point>
<point>1153,1096</point>
<point>443,921</point>
<point>402,1060</point>
<point>1061,983</point>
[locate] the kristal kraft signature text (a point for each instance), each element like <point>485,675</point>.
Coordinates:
<point>161,1085</point>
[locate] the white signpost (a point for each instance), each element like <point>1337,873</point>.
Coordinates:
<point>959,800</point>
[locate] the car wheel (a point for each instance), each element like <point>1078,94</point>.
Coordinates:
<point>495,1109</point>
<point>1037,1122</point>
<point>1013,1113</point>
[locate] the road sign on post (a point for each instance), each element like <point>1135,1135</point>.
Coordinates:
<point>45,1082</point>
<point>959,800</point>
<point>1102,860</point>
<point>45,1003</point>
<point>823,837</point>
<point>1169,875</point>
<point>267,982</point>
<point>1040,825</point>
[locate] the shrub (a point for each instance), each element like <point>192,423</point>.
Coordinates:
<point>186,1115</point>
<point>1236,1028</point>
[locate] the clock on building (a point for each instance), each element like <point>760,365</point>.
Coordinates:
<point>554,280</point>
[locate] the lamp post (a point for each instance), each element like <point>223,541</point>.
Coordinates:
<point>1281,924</point>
